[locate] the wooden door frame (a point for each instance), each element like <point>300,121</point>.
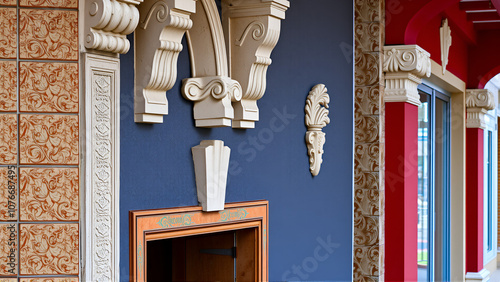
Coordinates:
<point>169,223</point>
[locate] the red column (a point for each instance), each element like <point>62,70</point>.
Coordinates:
<point>401,191</point>
<point>474,200</point>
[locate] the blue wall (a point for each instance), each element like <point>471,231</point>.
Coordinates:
<point>306,213</point>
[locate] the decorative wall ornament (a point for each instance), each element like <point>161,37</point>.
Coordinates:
<point>316,118</point>
<point>445,36</point>
<point>102,248</point>
<point>252,29</point>
<point>211,162</point>
<point>210,87</point>
<point>404,67</point>
<point>108,22</point>
<point>212,97</point>
<point>478,103</point>
<point>157,47</point>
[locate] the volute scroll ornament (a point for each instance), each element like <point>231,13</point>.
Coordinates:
<point>107,24</point>
<point>478,103</point>
<point>316,118</point>
<point>404,67</point>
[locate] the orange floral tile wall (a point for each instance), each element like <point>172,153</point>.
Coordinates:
<point>39,140</point>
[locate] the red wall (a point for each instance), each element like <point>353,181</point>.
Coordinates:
<point>474,55</point>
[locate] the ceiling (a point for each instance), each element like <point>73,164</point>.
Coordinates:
<point>483,13</point>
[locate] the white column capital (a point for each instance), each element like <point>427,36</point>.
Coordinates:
<point>478,103</point>
<point>404,67</point>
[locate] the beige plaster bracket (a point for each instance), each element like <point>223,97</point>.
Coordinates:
<point>252,29</point>
<point>108,22</point>
<point>404,67</point>
<point>157,46</point>
<point>210,88</point>
<point>478,103</point>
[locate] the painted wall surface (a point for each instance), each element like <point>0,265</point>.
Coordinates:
<point>308,216</point>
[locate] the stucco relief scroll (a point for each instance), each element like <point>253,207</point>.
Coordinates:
<point>316,118</point>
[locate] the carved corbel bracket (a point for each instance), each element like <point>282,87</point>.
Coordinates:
<point>108,22</point>
<point>316,118</point>
<point>211,162</point>
<point>404,67</point>
<point>252,29</point>
<point>478,103</point>
<point>157,46</point>
<point>212,97</point>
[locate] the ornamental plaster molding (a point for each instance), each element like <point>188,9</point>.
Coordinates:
<point>158,39</point>
<point>404,67</point>
<point>108,22</point>
<point>316,118</point>
<point>252,29</point>
<point>102,147</point>
<point>212,97</point>
<point>210,87</point>
<point>445,39</point>
<point>211,163</point>
<point>478,103</point>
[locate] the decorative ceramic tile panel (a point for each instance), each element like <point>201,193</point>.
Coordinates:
<point>8,33</point>
<point>367,36</point>
<point>49,194</point>
<point>367,155</point>
<point>48,34</point>
<point>368,10</point>
<point>49,139</point>
<point>48,87</point>
<point>367,100</point>
<point>367,71</point>
<point>8,86</point>
<point>367,201</point>
<point>366,261</point>
<point>8,3</point>
<point>49,279</point>
<point>49,3</point>
<point>8,193</point>
<point>8,249</point>
<point>8,139</point>
<point>49,249</point>
<point>8,279</point>
<point>367,129</point>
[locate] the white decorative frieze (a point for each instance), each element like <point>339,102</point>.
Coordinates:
<point>404,67</point>
<point>102,168</point>
<point>211,162</point>
<point>108,22</point>
<point>316,118</point>
<point>210,88</point>
<point>252,29</point>
<point>478,103</point>
<point>158,39</point>
<point>445,40</point>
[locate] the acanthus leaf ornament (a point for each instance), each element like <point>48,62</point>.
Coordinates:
<point>316,118</point>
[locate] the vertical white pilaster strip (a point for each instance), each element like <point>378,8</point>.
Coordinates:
<point>101,248</point>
